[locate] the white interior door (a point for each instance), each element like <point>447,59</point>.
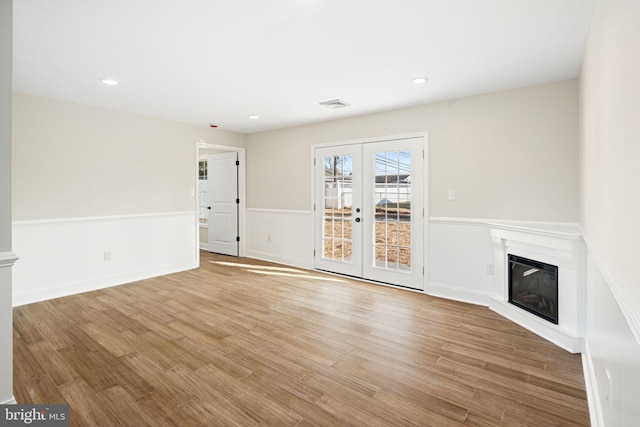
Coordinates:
<point>369,206</point>
<point>223,203</point>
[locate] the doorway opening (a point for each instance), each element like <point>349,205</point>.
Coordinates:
<point>213,176</point>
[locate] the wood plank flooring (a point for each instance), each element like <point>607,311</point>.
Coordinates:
<point>240,342</point>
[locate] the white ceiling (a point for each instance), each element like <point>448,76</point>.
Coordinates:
<point>202,61</point>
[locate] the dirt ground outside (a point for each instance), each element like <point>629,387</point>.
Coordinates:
<point>392,237</point>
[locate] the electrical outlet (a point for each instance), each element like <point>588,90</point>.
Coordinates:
<point>491,269</point>
<point>107,255</point>
<point>451,195</point>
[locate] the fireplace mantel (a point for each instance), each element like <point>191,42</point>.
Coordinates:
<point>557,244</point>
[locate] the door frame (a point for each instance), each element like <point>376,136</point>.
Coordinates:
<point>425,195</point>
<point>242,194</point>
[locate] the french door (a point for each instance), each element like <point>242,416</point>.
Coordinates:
<point>369,216</point>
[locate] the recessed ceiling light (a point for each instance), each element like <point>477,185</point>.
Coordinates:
<point>110,82</point>
<point>254,117</point>
<point>419,80</point>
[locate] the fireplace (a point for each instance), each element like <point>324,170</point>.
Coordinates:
<point>533,286</point>
<point>562,250</point>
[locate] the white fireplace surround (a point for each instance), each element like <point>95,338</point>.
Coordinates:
<point>561,245</point>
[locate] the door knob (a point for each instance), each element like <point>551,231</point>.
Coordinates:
<point>209,207</point>
<point>357,219</point>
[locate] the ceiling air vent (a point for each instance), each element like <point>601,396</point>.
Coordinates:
<point>335,103</point>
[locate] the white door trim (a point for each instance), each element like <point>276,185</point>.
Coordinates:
<point>372,139</point>
<point>242,194</point>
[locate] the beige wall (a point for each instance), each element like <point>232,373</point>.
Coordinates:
<point>73,160</point>
<point>508,155</point>
<point>611,138</point>
<point>610,204</point>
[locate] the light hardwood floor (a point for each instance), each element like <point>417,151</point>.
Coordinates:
<point>240,342</point>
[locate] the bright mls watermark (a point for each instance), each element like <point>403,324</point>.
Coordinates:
<point>34,415</point>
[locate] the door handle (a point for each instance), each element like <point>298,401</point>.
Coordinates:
<point>357,219</point>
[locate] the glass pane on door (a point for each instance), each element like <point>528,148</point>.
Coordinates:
<point>392,205</point>
<point>337,236</point>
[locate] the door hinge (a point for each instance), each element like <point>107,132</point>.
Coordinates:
<point>237,238</point>
<point>238,201</point>
<point>237,162</point>
<point>314,162</point>
<point>314,253</point>
<point>423,270</point>
<point>314,207</point>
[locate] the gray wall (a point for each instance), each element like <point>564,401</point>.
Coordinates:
<point>508,155</point>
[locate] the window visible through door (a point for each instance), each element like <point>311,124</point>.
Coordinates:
<point>203,199</point>
<point>369,216</point>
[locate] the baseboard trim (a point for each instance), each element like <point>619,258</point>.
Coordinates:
<point>591,386</point>
<point>11,401</point>
<point>456,293</point>
<point>66,289</point>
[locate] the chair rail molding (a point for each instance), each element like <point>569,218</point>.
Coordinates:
<point>7,259</point>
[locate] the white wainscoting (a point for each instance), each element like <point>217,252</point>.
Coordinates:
<point>459,251</point>
<point>68,256</point>
<point>612,344</point>
<point>7,260</point>
<point>281,236</point>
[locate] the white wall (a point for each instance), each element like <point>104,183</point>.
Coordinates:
<point>6,256</point>
<point>89,181</point>
<point>610,205</point>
